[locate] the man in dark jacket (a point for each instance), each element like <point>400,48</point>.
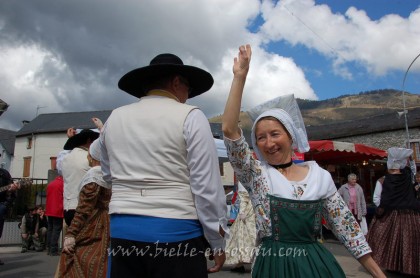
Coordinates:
<point>7,196</point>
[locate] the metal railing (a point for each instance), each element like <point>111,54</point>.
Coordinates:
<point>28,196</point>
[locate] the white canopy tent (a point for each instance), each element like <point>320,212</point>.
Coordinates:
<point>221,149</point>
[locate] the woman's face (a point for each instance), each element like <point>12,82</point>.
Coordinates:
<point>273,141</point>
<point>352,181</point>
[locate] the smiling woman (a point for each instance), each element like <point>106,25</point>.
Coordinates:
<point>289,199</point>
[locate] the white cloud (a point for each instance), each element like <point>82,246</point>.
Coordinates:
<point>380,46</point>
<point>69,55</point>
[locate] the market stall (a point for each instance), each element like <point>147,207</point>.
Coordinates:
<point>333,152</point>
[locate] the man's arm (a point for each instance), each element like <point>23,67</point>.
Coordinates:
<point>106,170</point>
<point>206,184</point>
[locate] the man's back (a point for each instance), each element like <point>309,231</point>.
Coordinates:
<point>153,159</point>
<point>74,167</point>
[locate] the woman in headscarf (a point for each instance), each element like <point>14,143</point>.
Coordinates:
<point>395,229</point>
<point>289,199</point>
<point>87,238</point>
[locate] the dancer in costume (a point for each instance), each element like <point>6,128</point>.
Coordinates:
<point>289,199</point>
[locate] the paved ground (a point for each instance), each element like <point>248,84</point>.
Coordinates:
<point>34,264</point>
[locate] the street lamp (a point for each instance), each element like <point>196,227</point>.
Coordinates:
<point>403,97</point>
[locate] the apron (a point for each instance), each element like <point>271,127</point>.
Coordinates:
<point>293,249</point>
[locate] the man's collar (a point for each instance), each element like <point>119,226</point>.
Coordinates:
<point>162,93</point>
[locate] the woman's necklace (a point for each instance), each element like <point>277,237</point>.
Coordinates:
<point>282,167</point>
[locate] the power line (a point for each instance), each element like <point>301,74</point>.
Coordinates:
<point>315,33</point>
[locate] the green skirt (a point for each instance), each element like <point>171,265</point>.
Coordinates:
<point>289,260</point>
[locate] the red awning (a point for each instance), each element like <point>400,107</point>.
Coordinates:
<point>333,152</point>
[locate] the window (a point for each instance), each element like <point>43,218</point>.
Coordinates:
<point>26,166</point>
<point>29,143</point>
<point>415,146</point>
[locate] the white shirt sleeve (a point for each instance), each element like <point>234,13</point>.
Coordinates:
<point>377,193</point>
<point>106,171</point>
<point>205,179</point>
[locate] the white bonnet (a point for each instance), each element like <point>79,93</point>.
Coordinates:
<point>300,140</point>
<point>397,157</point>
<point>95,150</point>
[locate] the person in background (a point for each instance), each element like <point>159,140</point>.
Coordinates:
<point>394,231</point>
<point>7,196</point>
<point>54,208</point>
<point>417,186</point>
<point>87,238</point>
<point>29,227</point>
<point>240,246</point>
<point>42,227</point>
<point>166,176</point>
<point>74,167</point>
<point>378,191</point>
<point>289,199</point>
<point>353,196</point>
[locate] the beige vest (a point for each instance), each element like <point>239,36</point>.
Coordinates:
<point>148,159</point>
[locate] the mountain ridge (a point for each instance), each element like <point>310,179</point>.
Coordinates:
<point>346,107</point>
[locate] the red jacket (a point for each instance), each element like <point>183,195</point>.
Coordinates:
<point>54,202</point>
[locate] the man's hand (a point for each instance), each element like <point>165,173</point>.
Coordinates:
<point>98,123</point>
<point>219,258</point>
<point>24,236</point>
<point>71,132</point>
<point>14,186</point>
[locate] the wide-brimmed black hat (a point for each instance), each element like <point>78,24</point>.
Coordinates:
<point>133,82</point>
<point>80,139</point>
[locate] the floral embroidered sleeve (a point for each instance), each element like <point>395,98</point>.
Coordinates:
<point>344,226</point>
<point>240,157</point>
<point>248,170</point>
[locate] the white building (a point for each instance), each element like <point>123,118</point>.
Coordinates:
<point>39,141</point>
<point>7,146</point>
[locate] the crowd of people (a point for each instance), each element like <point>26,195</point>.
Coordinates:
<point>142,195</point>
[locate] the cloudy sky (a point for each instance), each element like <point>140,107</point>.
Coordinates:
<point>66,56</point>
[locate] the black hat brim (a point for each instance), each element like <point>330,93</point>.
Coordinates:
<point>80,139</point>
<point>133,82</point>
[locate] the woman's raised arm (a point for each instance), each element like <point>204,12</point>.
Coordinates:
<point>233,104</point>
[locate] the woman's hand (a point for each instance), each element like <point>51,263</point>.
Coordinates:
<point>241,63</point>
<point>69,243</point>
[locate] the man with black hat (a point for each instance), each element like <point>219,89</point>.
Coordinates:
<point>167,196</point>
<point>74,167</point>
